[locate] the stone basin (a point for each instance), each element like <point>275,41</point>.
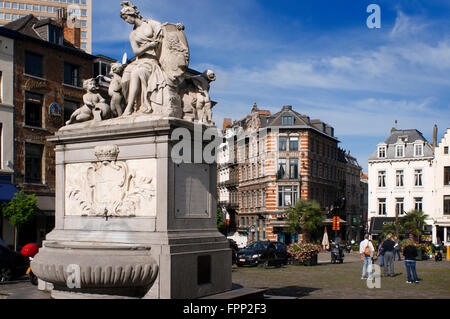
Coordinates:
<point>100,269</point>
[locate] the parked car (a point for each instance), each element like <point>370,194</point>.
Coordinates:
<point>263,253</point>
<point>234,251</point>
<point>12,264</point>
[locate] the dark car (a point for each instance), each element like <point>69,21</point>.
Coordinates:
<point>234,251</point>
<point>12,265</point>
<point>263,253</point>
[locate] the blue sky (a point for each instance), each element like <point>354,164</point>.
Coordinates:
<point>317,55</point>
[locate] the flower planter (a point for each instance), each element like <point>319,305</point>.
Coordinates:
<point>304,254</point>
<point>313,261</point>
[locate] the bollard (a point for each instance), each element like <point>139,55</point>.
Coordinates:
<point>448,252</point>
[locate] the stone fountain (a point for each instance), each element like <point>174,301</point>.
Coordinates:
<point>132,220</point>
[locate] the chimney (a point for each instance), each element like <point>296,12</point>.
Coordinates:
<point>71,29</point>
<point>435,133</point>
<point>227,123</point>
<point>394,128</point>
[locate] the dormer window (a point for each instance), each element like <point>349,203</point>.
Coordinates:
<point>287,120</point>
<point>418,150</point>
<point>400,151</point>
<point>382,152</point>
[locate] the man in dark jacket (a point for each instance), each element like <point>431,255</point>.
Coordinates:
<point>388,256</point>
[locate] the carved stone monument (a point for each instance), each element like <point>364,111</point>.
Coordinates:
<point>131,221</point>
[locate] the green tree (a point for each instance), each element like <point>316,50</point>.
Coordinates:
<point>20,211</point>
<point>306,217</point>
<point>414,223</point>
<point>220,222</point>
<point>390,228</point>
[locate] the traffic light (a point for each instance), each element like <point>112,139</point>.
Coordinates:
<point>336,223</point>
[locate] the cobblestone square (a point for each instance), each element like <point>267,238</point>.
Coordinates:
<point>343,281</point>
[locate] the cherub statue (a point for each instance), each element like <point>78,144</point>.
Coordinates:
<point>115,89</point>
<point>94,105</point>
<point>202,98</point>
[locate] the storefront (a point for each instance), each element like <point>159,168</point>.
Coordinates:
<point>377,224</point>
<point>7,192</point>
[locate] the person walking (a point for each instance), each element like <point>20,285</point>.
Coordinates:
<point>397,249</point>
<point>380,252</point>
<point>410,253</point>
<point>388,256</point>
<point>366,251</point>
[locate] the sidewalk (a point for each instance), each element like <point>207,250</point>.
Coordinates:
<point>21,289</point>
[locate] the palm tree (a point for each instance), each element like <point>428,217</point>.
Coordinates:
<point>414,223</point>
<point>307,217</point>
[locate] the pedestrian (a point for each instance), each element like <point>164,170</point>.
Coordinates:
<point>366,251</point>
<point>410,253</point>
<point>388,256</point>
<point>397,249</point>
<point>380,252</point>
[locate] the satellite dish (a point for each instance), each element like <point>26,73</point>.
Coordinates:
<point>125,58</point>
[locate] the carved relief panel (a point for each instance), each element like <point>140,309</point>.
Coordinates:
<point>111,188</point>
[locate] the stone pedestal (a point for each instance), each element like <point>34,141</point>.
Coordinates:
<point>129,221</point>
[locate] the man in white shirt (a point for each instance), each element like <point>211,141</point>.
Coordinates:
<point>366,250</point>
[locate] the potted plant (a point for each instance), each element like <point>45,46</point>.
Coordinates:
<point>304,254</point>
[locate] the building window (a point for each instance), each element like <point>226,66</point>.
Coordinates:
<point>258,199</point>
<point>264,198</point>
<point>400,151</point>
<point>418,204</point>
<point>382,179</point>
<point>282,171</point>
<point>287,196</point>
<point>71,74</point>
<point>446,205</point>
<point>293,144</point>
<point>33,163</point>
<point>418,150</point>
<point>282,144</point>
<point>399,177</point>
<point>293,169</point>
<point>446,150</point>
<point>1,139</point>
<point>400,207</point>
<point>287,120</point>
<point>418,178</point>
<point>382,206</point>
<point>69,108</point>
<point>446,176</point>
<point>382,152</point>
<point>33,64</point>
<point>33,109</point>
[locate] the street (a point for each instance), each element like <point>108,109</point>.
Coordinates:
<point>343,281</point>
<point>325,281</point>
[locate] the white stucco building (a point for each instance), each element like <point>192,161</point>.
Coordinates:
<point>401,178</point>
<point>440,213</point>
<point>7,190</point>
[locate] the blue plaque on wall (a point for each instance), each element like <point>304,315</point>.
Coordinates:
<point>55,110</point>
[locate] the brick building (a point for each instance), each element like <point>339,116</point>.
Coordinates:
<point>48,75</point>
<point>281,158</point>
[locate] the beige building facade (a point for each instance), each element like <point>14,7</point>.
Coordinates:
<point>43,9</point>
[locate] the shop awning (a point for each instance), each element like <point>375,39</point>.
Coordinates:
<point>7,192</point>
<point>377,224</point>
